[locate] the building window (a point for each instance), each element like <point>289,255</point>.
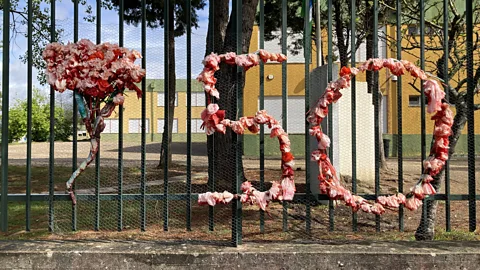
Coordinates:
<point>198,99</point>
<point>161,99</point>
<point>111,126</point>
<point>295,112</point>
<point>135,126</point>
<point>196,124</point>
<point>414,100</point>
<point>414,30</point>
<point>161,125</point>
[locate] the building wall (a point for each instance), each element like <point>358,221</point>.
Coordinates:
<point>295,88</point>
<point>411,115</point>
<point>133,110</point>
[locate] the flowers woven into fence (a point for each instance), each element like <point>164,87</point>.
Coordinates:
<point>329,183</point>
<point>97,74</point>
<point>214,121</point>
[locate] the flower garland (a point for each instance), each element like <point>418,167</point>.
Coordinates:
<point>96,74</point>
<point>214,121</point>
<point>329,183</point>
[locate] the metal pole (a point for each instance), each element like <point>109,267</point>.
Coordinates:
<point>120,131</point>
<point>5,104</point>
<point>399,119</point>
<point>143,188</point>
<point>262,106</point>
<point>318,32</point>
<point>97,157</point>
<point>51,160</point>
<point>471,118</point>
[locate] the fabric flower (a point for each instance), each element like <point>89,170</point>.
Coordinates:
<point>434,95</point>
<point>288,189</point>
<point>211,117</point>
<point>119,99</point>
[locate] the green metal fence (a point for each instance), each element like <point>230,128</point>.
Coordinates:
<point>145,200</point>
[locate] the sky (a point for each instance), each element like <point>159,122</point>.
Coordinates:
<point>109,33</point>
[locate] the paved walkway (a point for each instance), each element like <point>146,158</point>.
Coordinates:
<point>131,154</point>
<point>198,255</point>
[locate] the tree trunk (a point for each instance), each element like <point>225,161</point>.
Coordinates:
<point>426,228</point>
<point>224,146</point>
<point>341,44</point>
<point>166,143</point>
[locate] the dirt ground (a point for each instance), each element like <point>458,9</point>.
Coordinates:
<point>320,223</point>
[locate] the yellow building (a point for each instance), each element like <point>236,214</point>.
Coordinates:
<point>155,111</point>
<point>411,110</point>
<point>273,103</point>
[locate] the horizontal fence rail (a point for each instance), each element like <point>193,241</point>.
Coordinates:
<point>163,196</point>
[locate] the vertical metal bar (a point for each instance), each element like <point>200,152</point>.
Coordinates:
<point>307,56</point>
<point>262,106</point>
<point>120,129</point>
<point>28,190</point>
<point>423,124</point>
<point>211,139</point>
<point>143,206</point>
<point>318,33</point>
<point>5,109</point>
<point>353,115</point>
<point>52,130</point>
<point>472,219</point>
<point>422,93</point>
<point>376,110</point>
<point>284,96</point>
<point>399,119</point>
<point>97,157</point>
<point>189,116</point>
<point>331,209</point>
<point>75,118</point>
<point>237,206</point>
<point>447,98</point>
<point>166,111</point>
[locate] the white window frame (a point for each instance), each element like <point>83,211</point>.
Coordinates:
<point>161,99</point>
<point>139,125</point>
<point>195,102</point>
<point>196,123</point>
<point>160,125</point>
<point>292,124</point>
<point>108,126</point>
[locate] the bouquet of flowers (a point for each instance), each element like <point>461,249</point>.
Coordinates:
<point>98,75</point>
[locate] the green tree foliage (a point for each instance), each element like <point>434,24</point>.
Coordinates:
<point>155,12</point>
<point>40,120</point>
<point>341,23</point>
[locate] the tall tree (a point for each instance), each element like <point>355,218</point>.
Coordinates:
<point>221,38</point>
<point>435,64</point>
<point>177,26</point>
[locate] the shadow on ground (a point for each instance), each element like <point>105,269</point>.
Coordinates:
<point>177,148</point>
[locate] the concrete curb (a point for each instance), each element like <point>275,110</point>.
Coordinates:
<point>154,255</point>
